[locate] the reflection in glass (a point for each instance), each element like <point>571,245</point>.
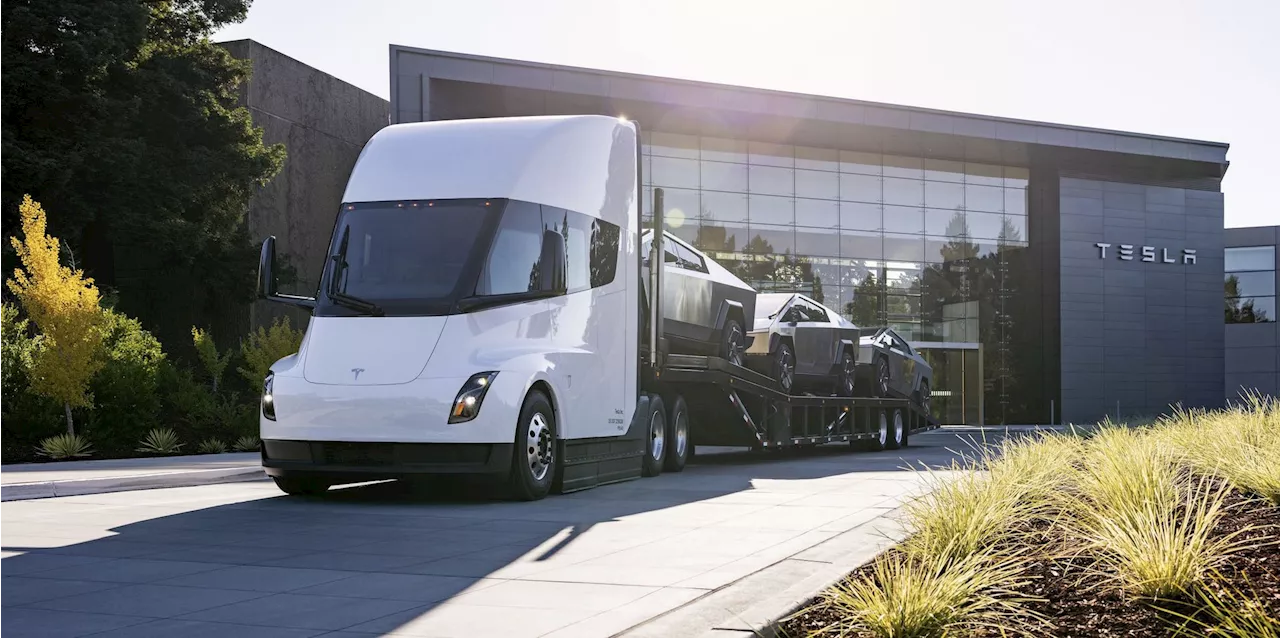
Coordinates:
<point>941,221</point>
<point>986,198</point>
<point>1250,258</point>
<point>1016,177</point>
<point>818,213</point>
<point>771,180</point>
<point>715,237</point>
<point>986,174</point>
<point>984,225</point>
<point>903,192</point>
<point>766,154</point>
<point>767,209</point>
<point>862,163</point>
<point>903,247</point>
<point>723,176</point>
<point>723,150</point>
<point>682,208</point>
<point>861,244</point>
<point>899,166</point>
<point>1015,229</point>
<point>817,184</point>
<point>861,188</point>
<point>943,170</point>
<point>1015,201</point>
<point>817,242</point>
<point>859,216</point>
<point>724,207</point>
<point>818,159</point>
<point>771,240</point>
<point>1250,284</point>
<point>944,195</point>
<point>903,219</point>
<point>674,172</point>
<point>1251,310</point>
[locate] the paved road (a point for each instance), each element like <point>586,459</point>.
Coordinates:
<point>243,560</point>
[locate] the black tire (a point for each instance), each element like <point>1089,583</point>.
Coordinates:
<point>847,379</point>
<point>784,366</point>
<point>534,458</point>
<point>897,430</point>
<point>881,428</point>
<point>733,342</point>
<point>655,435</point>
<point>299,486</point>
<point>679,446</point>
<point>881,388</point>
<point>924,398</point>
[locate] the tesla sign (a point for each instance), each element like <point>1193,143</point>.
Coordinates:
<point>1125,252</point>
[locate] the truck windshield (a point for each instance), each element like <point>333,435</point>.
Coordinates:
<point>405,258</point>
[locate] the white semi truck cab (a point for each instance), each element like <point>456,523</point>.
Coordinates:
<point>482,311</point>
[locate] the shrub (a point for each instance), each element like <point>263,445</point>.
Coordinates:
<point>25,417</point>
<point>65,446</point>
<point>246,444</point>
<point>214,363</point>
<point>211,446</point>
<point>266,346</point>
<point>126,389</point>
<point>160,441</point>
<point>1240,445</point>
<point>906,596</point>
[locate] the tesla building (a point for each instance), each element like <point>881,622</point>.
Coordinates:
<point>1048,272</point>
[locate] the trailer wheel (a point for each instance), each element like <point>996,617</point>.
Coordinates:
<point>882,433</point>
<point>534,460</point>
<point>297,486</point>
<point>678,445</point>
<point>655,435</point>
<point>898,430</point>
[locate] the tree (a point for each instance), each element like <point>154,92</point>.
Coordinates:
<point>214,362</point>
<point>63,303</point>
<point>817,289</point>
<point>123,118</point>
<point>864,310</point>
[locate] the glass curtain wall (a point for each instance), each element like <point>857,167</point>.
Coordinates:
<point>920,244</point>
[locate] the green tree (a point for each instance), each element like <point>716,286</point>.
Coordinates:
<point>63,303</point>
<point>214,362</point>
<point>123,118</point>
<point>817,295</point>
<point>864,310</point>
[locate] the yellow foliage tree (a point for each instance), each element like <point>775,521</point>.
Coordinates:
<point>63,303</point>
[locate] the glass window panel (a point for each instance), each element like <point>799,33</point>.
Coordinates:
<point>861,188</point>
<point>767,209</point>
<point>771,180</point>
<point>724,150</point>
<point>839,298</point>
<point>1015,201</point>
<point>862,163</point>
<point>861,245</point>
<point>1016,177</point>
<point>985,174</point>
<point>943,222</point>
<point>1250,284</point>
<point>1250,258</point>
<point>818,159</point>
<point>772,240</point>
<point>815,242</point>
<point>681,208</point>
<point>902,277</point>
<point>943,171</point>
<point>721,240</point>
<point>723,176</point>
<point>985,247</point>
<point>646,169</point>
<point>903,247</point>
<point>818,213</point>
<point>677,172</point>
<point>855,271</point>
<point>903,219</point>
<point>987,198</point>
<point>903,192</point>
<point>1016,229</point>
<point>687,230</point>
<point>945,249</point>
<point>817,184</point>
<point>724,207</point>
<point>900,308</point>
<point>648,202</point>
<point>946,195</point>
<point>767,154</point>
<point>908,331</point>
<point>860,216</point>
<point>899,166</point>
<point>984,225</point>
<point>1251,310</point>
<point>674,145</point>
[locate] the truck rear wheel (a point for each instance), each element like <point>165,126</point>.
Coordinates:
<point>882,432</point>
<point>678,446</point>
<point>655,434</point>
<point>533,460</point>
<point>897,431</point>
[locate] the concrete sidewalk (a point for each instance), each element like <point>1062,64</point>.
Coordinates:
<point>70,478</point>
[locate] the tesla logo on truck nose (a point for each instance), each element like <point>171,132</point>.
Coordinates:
<point>357,371</point>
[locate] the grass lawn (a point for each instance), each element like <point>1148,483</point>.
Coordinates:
<point>1166,529</point>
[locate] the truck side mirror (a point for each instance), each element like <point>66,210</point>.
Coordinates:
<point>267,278</point>
<point>552,263</point>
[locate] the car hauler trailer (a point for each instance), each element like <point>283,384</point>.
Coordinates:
<point>484,310</point>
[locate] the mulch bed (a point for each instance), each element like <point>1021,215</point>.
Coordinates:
<point>1078,606</point>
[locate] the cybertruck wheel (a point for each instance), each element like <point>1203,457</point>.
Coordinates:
<point>784,366</point>
<point>533,460</point>
<point>847,380</point>
<point>925,394</point>
<point>298,486</point>
<point>882,377</point>
<point>733,342</point>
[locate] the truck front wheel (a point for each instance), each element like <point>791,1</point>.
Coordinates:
<point>298,486</point>
<point>534,461</point>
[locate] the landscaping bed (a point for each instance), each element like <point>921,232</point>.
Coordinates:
<point>1167,530</point>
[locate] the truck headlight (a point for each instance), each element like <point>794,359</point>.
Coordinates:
<point>268,400</point>
<point>467,404</point>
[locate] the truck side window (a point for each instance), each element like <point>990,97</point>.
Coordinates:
<point>813,313</point>
<point>689,259</point>
<point>604,252</point>
<point>512,265</point>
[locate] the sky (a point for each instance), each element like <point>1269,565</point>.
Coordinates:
<point>1196,69</point>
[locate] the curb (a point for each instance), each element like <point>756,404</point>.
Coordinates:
<point>78,487</point>
<point>756,604</point>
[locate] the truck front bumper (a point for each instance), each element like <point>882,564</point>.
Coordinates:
<point>354,462</point>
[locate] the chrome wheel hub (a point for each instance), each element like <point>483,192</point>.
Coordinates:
<point>657,436</point>
<point>786,369</point>
<point>848,376</point>
<point>897,426</point>
<point>734,345</point>
<point>540,447</point>
<point>884,429</point>
<point>682,434</point>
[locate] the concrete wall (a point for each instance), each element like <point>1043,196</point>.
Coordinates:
<point>1253,349</point>
<point>1141,334</point>
<point>323,123</point>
